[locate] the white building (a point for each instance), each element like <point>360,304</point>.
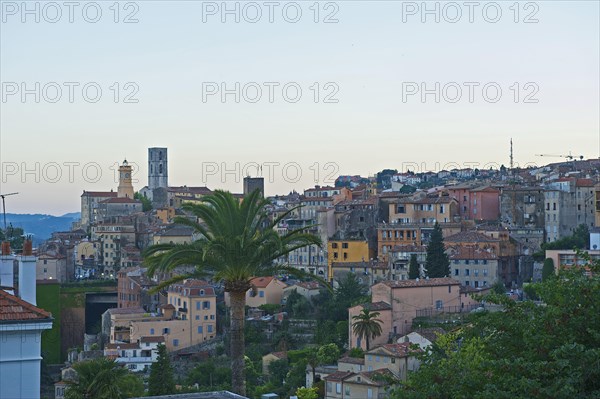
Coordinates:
<point>21,327</point>
<point>135,356</point>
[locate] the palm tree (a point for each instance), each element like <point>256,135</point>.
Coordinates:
<point>238,242</point>
<point>366,325</point>
<point>103,379</point>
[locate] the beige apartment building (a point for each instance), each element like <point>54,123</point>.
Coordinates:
<point>189,318</point>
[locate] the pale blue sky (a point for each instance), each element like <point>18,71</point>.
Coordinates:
<point>368,54</point>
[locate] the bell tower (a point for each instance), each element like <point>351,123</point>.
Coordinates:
<point>158,174</point>
<point>125,189</point>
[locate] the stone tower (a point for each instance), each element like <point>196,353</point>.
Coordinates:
<point>158,176</point>
<point>125,189</point>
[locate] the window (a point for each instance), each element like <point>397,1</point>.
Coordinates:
<point>377,359</point>
<point>335,255</point>
<point>329,387</point>
<point>466,272</point>
<point>206,305</point>
<point>198,305</point>
<point>338,388</point>
<point>197,317</point>
<point>344,245</point>
<point>456,272</point>
<point>175,342</point>
<point>439,304</point>
<point>210,328</point>
<point>449,289</point>
<point>212,316</point>
<point>200,330</point>
<point>152,331</point>
<point>334,245</point>
<point>166,330</point>
<point>261,294</point>
<point>345,255</point>
<point>347,389</point>
<point>369,393</point>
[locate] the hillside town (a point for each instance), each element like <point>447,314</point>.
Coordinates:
<point>399,260</point>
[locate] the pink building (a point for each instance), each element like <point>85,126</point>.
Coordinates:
<point>476,202</point>
<point>398,303</point>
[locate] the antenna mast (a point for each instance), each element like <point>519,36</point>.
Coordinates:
<point>511,154</point>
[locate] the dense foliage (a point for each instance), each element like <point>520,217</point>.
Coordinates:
<point>103,379</point>
<point>528,350</point>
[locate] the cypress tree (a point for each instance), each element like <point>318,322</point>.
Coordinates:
<point>161,380</point>
<point>413,268</point>
<point>438,263</point>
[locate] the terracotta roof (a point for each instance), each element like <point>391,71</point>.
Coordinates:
<point>261,282</point>
<point>15,309</point>
<point>399,349</point>
<point>584,183</point>
<point>470,253</point>
<point>469,236</point>
<point>192,287</point>
<point>352,360</point>
<point>339,376</point>
<point>152,339</point>
<point>177,231</point>
<point>309,285</point>
<point>409,248</point>
<point>432,282</point>
<point>99,194</point>
<point>426,200</point>
<point>167,306</point>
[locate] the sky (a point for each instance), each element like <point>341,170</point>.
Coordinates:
<point>309,90</point>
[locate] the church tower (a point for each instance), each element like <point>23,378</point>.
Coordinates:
<point>125,189</point>
<point>158,176</point>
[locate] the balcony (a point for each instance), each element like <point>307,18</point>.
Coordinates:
<point>182,310</point>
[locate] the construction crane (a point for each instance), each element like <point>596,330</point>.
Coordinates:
<point>4,208</point>
<point>569,157</point>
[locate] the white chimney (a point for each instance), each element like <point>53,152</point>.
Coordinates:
<point>27,279</point>
<point>7,278</point>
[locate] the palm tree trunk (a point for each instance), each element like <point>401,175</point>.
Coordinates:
<point>367,342</point>
<point>238,373</point>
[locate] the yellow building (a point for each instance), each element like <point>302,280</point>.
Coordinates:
<point>347,251</point>
<point>188,319</point>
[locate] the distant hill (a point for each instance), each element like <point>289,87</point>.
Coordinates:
<point>41,226</point>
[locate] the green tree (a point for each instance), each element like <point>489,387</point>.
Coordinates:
<point>366,325</point>
<point>103,379</point>
<point>161,380</point>
<point>307,393</point>
<point>548,269</point>
<point>239,242</point>
<point>525,351</point>
<point>413,268</point>
<point>14,235</point>
<point>325,354</point>
<point>146,203</point>
<point>437,263</point>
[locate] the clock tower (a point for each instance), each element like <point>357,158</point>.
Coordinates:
<point>125,189</point>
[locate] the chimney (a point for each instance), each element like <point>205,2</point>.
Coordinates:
<point>7,278</point>
<point>27,279</point>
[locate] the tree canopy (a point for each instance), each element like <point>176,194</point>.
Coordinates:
<point>528,350</point>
